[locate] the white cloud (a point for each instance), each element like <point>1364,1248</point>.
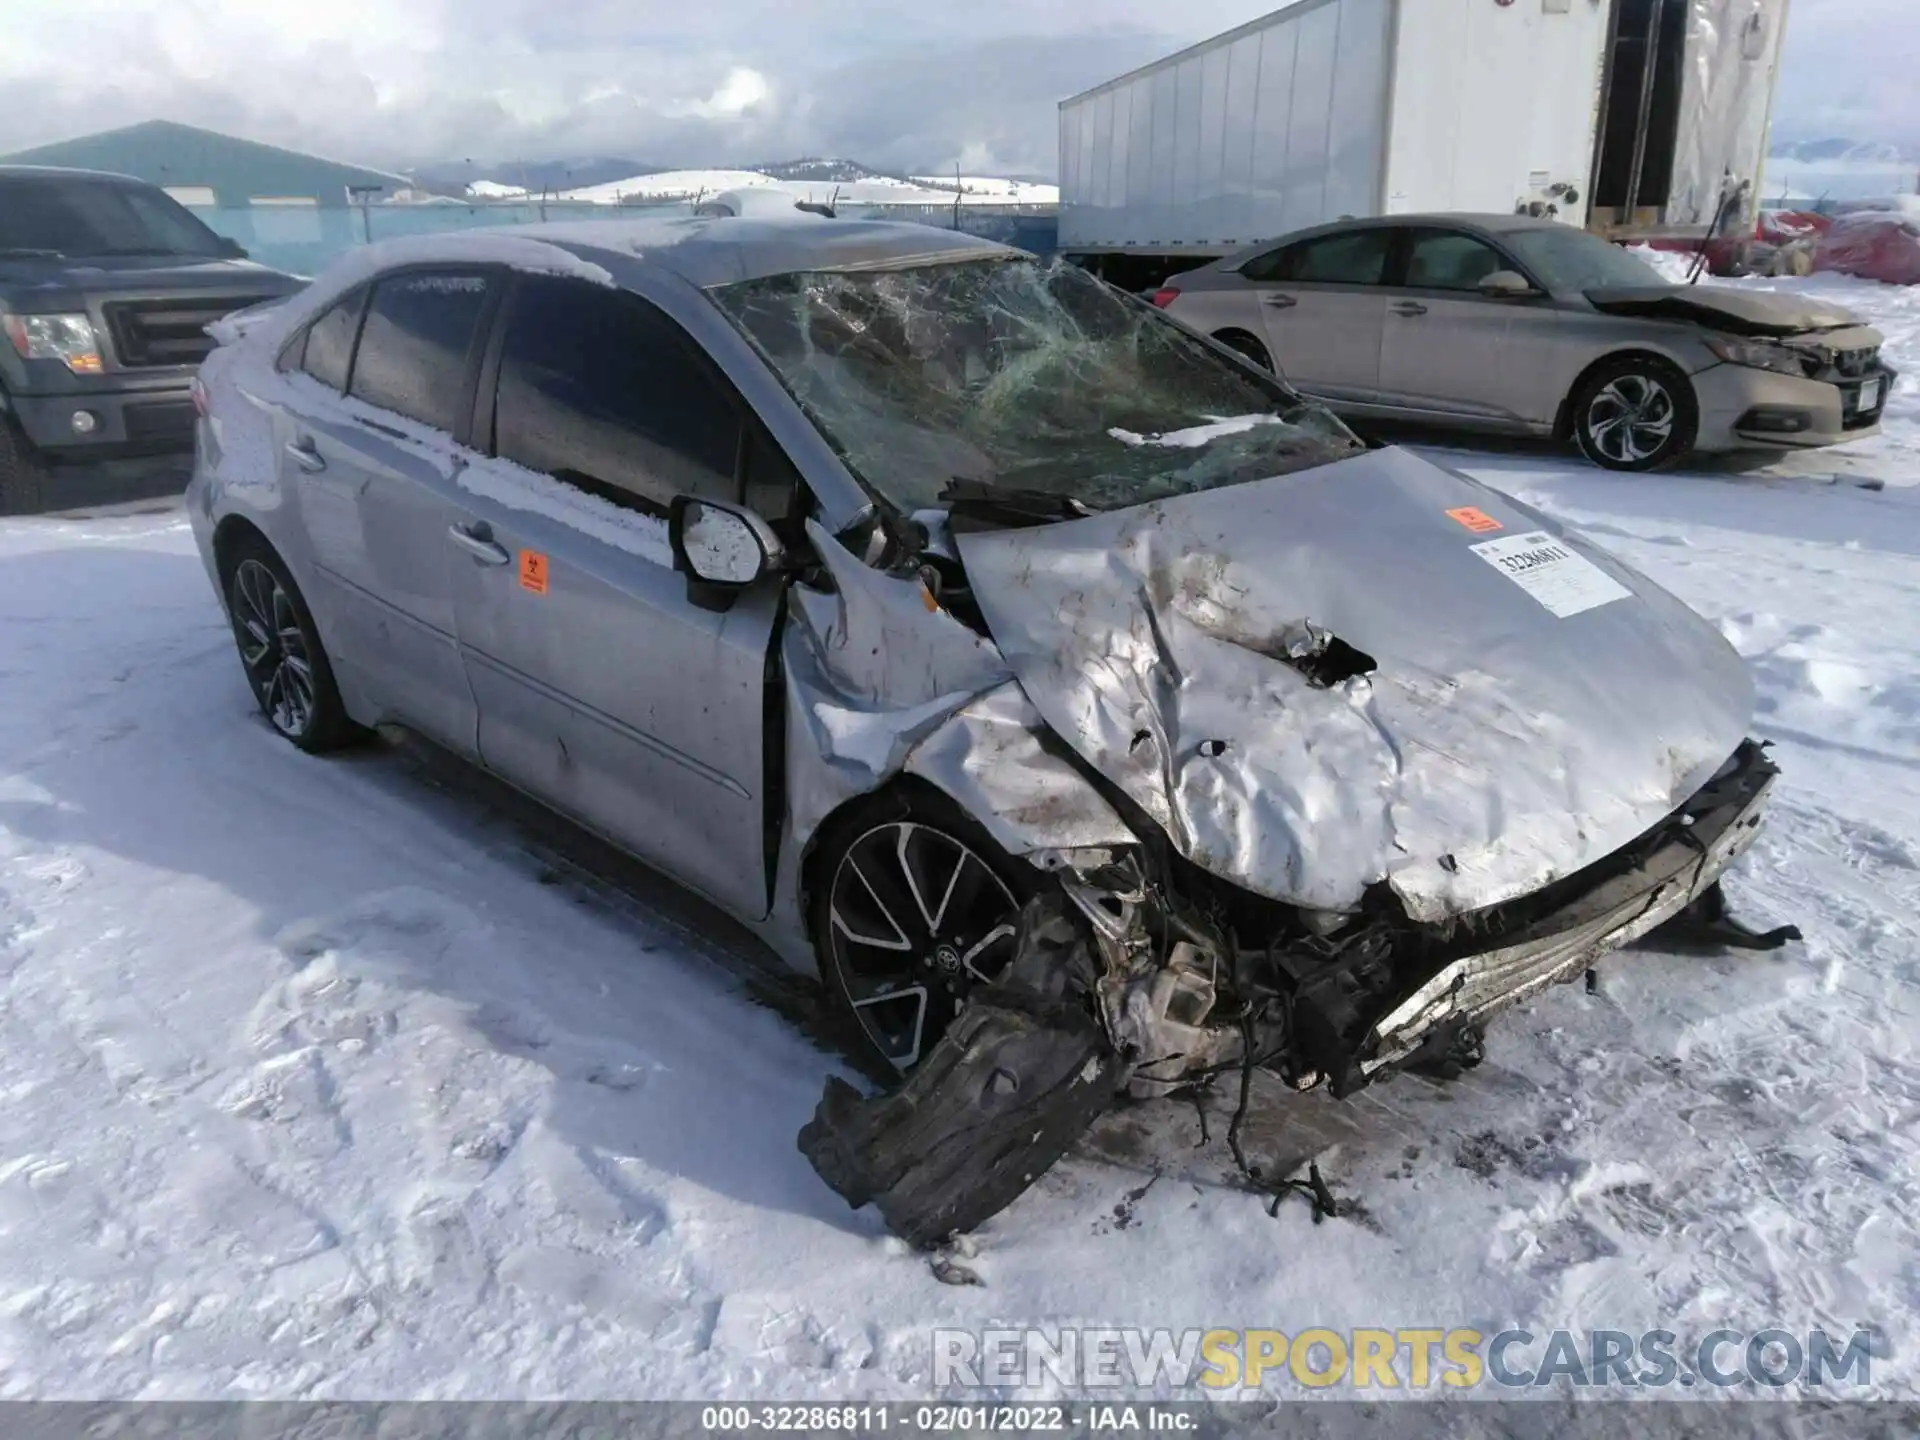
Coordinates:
<point>741,91</point>
<point>728,81</point>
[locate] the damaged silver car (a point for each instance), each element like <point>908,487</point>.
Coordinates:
<point>1088,710</point>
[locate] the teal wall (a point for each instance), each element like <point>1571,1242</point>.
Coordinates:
<point>235,170</point>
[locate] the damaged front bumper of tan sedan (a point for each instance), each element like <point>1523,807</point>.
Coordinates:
<point>1188,987</point>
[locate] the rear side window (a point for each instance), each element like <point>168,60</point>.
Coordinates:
<point>329,344</point>
<point>600,389</point>
<point>414,345</point>
<point>1357,257</point>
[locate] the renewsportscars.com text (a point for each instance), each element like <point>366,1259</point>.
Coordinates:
<point>1374,1360</point>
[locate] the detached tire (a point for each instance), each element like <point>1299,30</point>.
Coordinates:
<point>280,651</point>
<point>1636,413</point>
<point>23,475</point>
<point>914,910</point>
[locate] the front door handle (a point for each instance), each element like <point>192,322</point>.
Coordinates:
<point>1409,307</point>
<point>1279,302</point>
<point>307,455</point>
<point>477,541</point>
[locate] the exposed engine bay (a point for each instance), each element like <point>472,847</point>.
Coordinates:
<point>1146,975</point>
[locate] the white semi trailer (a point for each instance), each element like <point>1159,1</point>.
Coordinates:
<point>1634,117</point>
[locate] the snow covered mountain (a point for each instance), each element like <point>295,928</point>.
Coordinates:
<point>1852,152</point>
<point>874,189</point>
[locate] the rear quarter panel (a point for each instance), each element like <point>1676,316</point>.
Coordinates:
<point>236,466</point>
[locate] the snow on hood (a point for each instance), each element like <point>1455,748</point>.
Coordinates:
<point>1532,704</point>
<point>1717,307</point>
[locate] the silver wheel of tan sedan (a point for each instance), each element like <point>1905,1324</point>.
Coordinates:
<point>1634,414</point>
<point>916,919</point>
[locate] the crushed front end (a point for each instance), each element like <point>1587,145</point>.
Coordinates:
<point>1146,974</point>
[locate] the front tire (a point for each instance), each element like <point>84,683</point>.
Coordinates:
<point>1635,414</point>
<point>1248,348</point>
<point>914,910</point>
<point>280,651</point>
<point>22,473</point>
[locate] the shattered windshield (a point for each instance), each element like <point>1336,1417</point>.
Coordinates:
<point>1021,379</point>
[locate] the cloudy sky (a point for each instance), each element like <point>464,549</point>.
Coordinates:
<point>396,82</point>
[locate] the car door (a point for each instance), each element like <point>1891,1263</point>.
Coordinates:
<point>374,472</point>
<point>1324,310</point>
<point>602,688</point>
<point>1450,351</point>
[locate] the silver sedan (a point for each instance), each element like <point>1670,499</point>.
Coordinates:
<point>1509,324</point>
<point>1085,708</point>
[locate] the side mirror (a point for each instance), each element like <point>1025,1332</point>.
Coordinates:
<point>720,548</point>
<point>1506,285</point>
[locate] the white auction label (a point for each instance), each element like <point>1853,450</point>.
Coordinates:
<point>1548,570</point>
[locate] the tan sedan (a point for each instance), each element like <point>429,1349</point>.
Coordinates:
<point>1508,324</point>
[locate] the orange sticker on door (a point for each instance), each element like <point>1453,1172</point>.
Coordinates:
<point>533,572</point>
<point>1475,519</point>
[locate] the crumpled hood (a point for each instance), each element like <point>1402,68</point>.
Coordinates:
<point>1721,307</point>
<point>1534,704</point>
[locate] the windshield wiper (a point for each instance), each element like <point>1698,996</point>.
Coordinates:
<point>1010,504</point>
<point>30,252</point>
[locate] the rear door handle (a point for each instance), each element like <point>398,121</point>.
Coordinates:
<point>1409,307</point>
<point>307,455</point>
<point>477,540</point>
<point>1279,302</point>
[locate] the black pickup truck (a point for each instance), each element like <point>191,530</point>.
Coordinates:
<point>106,287</point>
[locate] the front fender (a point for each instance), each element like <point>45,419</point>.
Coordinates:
<point>989,758</point>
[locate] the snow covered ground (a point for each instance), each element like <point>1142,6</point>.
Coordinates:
<point>317,1080</point>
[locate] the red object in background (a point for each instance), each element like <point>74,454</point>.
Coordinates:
<point>1165,296</point>
<point>1874,245</point>
<point>1783,227</point>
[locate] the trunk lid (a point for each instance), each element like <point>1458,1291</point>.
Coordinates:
<point>1532,704</point>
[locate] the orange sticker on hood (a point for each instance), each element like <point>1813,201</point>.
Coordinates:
<point>1475,519</point>
<point>533,571</point>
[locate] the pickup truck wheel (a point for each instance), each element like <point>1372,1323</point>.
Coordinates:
<point>916,909</point>
<point>280,650</point>
<point>1635,413</point>
<point>22,474</point>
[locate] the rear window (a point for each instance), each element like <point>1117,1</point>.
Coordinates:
<point>62,216</point>
<point>414,345</point>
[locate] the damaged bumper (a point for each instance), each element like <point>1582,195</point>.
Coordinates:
<point>1136,986</point>
<point>1690,855</point>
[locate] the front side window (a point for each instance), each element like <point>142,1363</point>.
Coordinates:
<point>414,345</point>
<point>1020,375</point>
<point>1448,260</point>
<point>602,390</point>
<point>64,216</point>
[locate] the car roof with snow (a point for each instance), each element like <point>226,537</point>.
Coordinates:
<point>702,250</point>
